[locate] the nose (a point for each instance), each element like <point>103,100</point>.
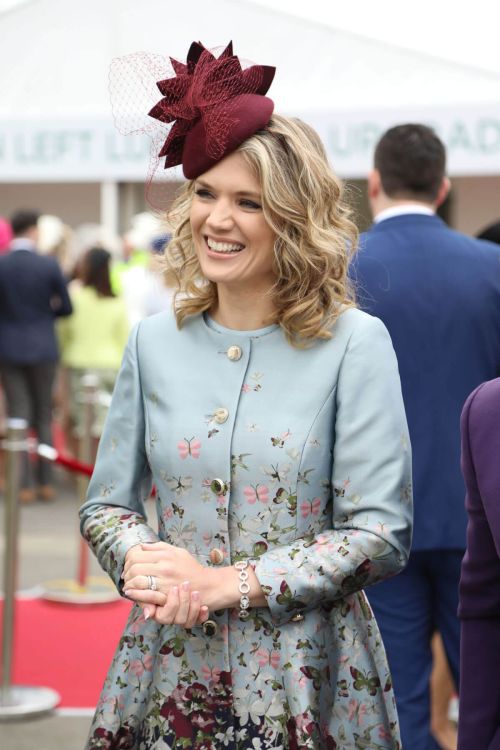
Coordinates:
<point>220,216</point>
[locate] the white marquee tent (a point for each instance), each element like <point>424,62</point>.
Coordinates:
<point>55,119</point>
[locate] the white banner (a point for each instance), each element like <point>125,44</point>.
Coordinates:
<point>93,151</point>
<point>471,137</point>
<point>70,151</point>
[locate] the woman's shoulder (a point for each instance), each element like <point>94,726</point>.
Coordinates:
<point>484,400</point>
<point>162,325</point>
<point>353,322</point>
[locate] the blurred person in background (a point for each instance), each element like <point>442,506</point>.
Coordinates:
<point>438,293</point>
<point>491,233</point>
<point>56,239</point>
<point>479,712</point>
<point>92,339</point>
<point>5,235</point>
<point>87,236</point>
<point>135,248</point>
<point>32,294</point>
<point>143,286</point>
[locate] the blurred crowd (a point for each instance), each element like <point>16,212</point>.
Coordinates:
<point>78,291</point>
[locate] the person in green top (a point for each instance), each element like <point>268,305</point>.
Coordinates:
<point>144,227</point>
<point>93,338</point>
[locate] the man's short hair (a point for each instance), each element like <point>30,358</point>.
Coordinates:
<point>23,220</point>
<point>490,233</point>
<point>411,160</point>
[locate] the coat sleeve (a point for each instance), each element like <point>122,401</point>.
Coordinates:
<point>369,540</point>
<point>61,302</point>
<point>113,517</point>
<point>479,607</point>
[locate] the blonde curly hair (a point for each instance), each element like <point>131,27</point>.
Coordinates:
<point>303,203</point>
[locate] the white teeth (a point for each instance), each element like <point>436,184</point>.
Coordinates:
<point>223,247</point>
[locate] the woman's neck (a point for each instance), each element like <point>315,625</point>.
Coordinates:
<point>243,310</point>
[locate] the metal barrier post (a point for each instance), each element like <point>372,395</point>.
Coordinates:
<point>89,397</point>
<point>86,589</point>
<point>16,701</point>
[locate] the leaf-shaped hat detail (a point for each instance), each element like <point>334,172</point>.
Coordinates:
<point>215,105</point>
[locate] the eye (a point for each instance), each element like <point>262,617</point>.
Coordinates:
<point>246,203</point>
<point>203,193</point>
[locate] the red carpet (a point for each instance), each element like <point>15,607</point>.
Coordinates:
<point>66,647</point>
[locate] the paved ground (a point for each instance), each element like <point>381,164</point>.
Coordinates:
<point>50,733</point>
<point>48,547</point>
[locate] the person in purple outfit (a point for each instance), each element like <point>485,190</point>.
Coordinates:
<point>479,609</point>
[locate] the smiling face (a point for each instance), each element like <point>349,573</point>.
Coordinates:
<point>233,241</point>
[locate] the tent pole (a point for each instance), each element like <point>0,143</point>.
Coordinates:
<point>110,206</point>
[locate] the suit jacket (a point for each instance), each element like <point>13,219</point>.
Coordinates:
<point>32,293</point>
<point>438,293</point>
<point>479,713</point>
<point>296,459</point>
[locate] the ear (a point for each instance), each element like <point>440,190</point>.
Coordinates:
<point>374,184</point>
<point>444,189</point>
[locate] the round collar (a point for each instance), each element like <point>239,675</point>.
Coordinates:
<point>254,334</point>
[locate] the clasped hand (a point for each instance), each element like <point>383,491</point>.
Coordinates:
<point>180,582</point>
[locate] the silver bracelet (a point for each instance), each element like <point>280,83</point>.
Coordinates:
<point>244,589</point>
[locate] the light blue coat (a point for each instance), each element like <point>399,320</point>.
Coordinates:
<point>311,450</point>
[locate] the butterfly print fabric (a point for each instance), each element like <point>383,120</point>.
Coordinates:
<point>303,476</point>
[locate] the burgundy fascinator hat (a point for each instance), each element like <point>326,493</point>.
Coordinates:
<point>210,104</point>
<point>215,105</point>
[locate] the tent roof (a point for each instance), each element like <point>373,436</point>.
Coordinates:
<point>54,57</point>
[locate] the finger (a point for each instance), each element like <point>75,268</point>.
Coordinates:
<point>143,582</point>
<point>146,569</point>
<point>203,615</point>
<point>142,558</point>
<point>194,610</point>
<point>166,614</point>
<point>146,596</point>
<point>155,545</point>
<point>148,610</point>
<point>184,602</point>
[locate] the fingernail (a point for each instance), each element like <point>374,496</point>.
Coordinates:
<point>175,589</point>
<point>185,586</point>
<point>195,595</point>
<point>147,614</point>
<point>127,592</point>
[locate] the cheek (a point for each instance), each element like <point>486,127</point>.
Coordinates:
<point>262,238</point>
<point>267,240</point>
<point>196,219</point>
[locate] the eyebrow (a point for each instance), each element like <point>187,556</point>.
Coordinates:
<point>247,193</point>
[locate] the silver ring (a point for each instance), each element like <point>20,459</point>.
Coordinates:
<point>152,583</point>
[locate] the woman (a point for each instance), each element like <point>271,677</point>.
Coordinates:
<point>268,413</point>
<point>93,338</point>
<point>479,610</point>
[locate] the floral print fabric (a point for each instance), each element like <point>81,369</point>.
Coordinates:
<point>306,474</point>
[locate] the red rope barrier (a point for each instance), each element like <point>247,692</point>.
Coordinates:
<point>51,454</point>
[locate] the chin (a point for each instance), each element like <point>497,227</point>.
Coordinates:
<point>213,272</point>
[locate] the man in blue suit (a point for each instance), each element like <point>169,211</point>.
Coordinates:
<point>438,293</point>
<point>32,293</point>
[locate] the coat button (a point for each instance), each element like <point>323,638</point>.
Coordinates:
<point>210,627</point>
<point>218,487</point>
<point>234,353</point>
<point>297,618</point>
<point>221,415</point>
<point>216,556</point>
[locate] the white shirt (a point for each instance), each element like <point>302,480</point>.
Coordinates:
<point>407,208</point>
<point>22,243</point>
